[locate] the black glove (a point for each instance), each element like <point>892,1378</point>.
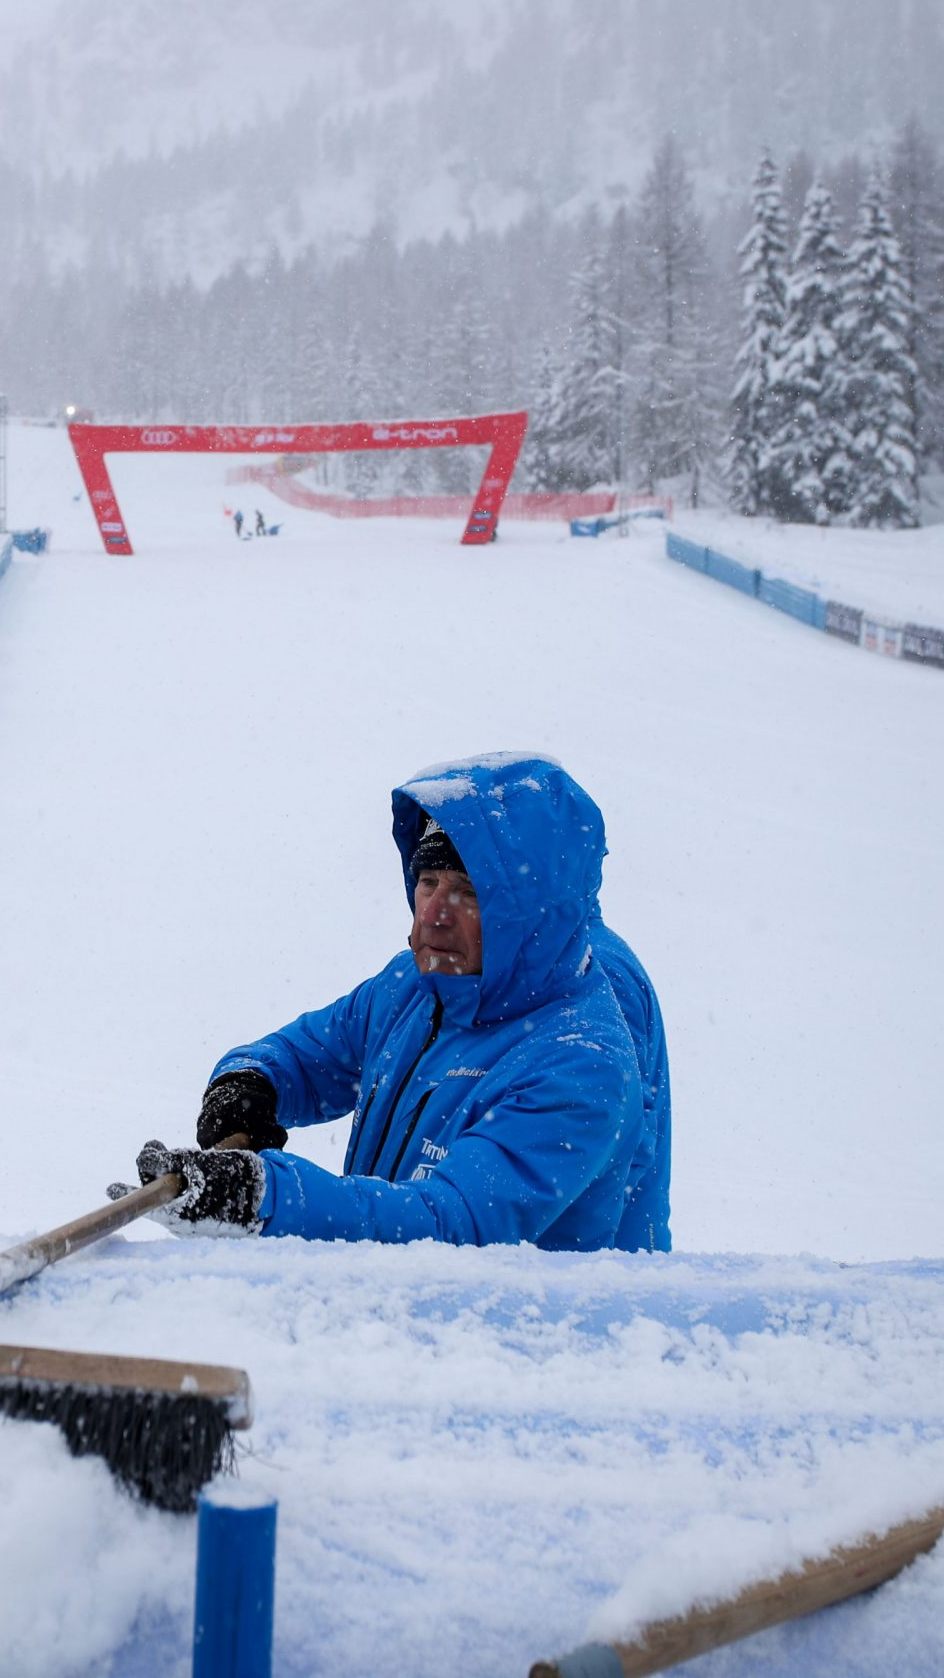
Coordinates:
<point>223,1186</point>
<point>240,1103</point>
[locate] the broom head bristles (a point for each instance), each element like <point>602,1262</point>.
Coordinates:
<point>163,1428</point>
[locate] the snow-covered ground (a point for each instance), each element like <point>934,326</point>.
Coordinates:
<point>480,1457</point>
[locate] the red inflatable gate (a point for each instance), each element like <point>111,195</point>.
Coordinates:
<point>504,432</point>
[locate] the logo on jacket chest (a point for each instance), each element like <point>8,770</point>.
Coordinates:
<point>432,1153</point>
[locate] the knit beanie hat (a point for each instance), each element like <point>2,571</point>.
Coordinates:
<point>435,850</point>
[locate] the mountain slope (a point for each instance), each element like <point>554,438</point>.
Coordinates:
<point>322,118</point>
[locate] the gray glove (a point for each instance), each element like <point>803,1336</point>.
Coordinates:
<point>223,1189</point>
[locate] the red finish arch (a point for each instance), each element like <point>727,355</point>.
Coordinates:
<point>503,432</point>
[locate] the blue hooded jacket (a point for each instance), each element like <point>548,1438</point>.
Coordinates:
<point>503,1106</point>
<point>645,1220</point>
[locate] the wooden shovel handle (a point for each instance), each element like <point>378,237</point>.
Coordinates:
<point>18,1264</point>
<point>815,1583</point>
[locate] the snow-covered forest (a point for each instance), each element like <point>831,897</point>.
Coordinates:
<point>703,248</point>
<point>798,370</point>
<point>837,390</point>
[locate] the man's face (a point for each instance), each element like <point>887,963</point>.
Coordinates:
<point>447,926</point>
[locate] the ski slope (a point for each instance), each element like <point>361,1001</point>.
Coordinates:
<point>196,751</point>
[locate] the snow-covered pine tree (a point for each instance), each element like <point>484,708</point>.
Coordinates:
<point>916,202</point>
<point>272,352</point>
<point>873,326</point>
<point>361,471</point>
<point>797,177</point>
<point>808,450</point>
<point>540,459</point>
<point>375,311</point>
<point>240,334</point>
<point>669,339</point>
<point>586,440</point>
<point>620,256</point>
<point>754,416</point>
<point>183,352</point>
<point>313,377</point>
<point>465,351</point>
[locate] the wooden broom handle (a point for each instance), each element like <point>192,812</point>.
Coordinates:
<point>816,1583</point>
<point>18,1264</point>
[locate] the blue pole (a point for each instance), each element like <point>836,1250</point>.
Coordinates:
<point>235,1591</point>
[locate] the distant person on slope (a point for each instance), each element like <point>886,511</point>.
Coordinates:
<point>260,524</point>
<point>238,522</point>
<point>507,1073</point>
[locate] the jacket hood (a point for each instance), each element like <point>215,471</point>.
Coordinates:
<point>533,843</point>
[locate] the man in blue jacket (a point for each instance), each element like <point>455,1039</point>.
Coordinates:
<point>507,1074</point>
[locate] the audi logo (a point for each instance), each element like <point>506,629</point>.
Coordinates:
<point>158,439</point>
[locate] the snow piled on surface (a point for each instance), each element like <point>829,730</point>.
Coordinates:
<point>490,760</point>
<point>480,1457</point>
<point>433,793</point>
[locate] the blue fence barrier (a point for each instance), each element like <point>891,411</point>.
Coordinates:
<point>730,571</point>
<point>31,541</point>
<point>724,570</point>
<point>6,552</point>
<point>798,602</point>
<point>689,553</point>
<point>677,548</point>
<point>596,527</point>
<point>919,643</point>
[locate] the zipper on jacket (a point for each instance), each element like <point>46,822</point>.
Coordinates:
<point>391,1175</point>
<point>430,1040</point>
<point>349,1169</point>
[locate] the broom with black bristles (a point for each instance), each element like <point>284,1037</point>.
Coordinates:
<point>163,1428</point>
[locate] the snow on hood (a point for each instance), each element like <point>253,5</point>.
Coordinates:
<point>533,843</point>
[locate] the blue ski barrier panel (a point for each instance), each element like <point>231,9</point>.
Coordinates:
<point>6,553</point>
<point>919,643</point>
<point>596,527</point>
<point>787,597</point>
<point>31,541</point>
<point>719,566</point>
<point>730,571</point>
<point>689,553</point>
